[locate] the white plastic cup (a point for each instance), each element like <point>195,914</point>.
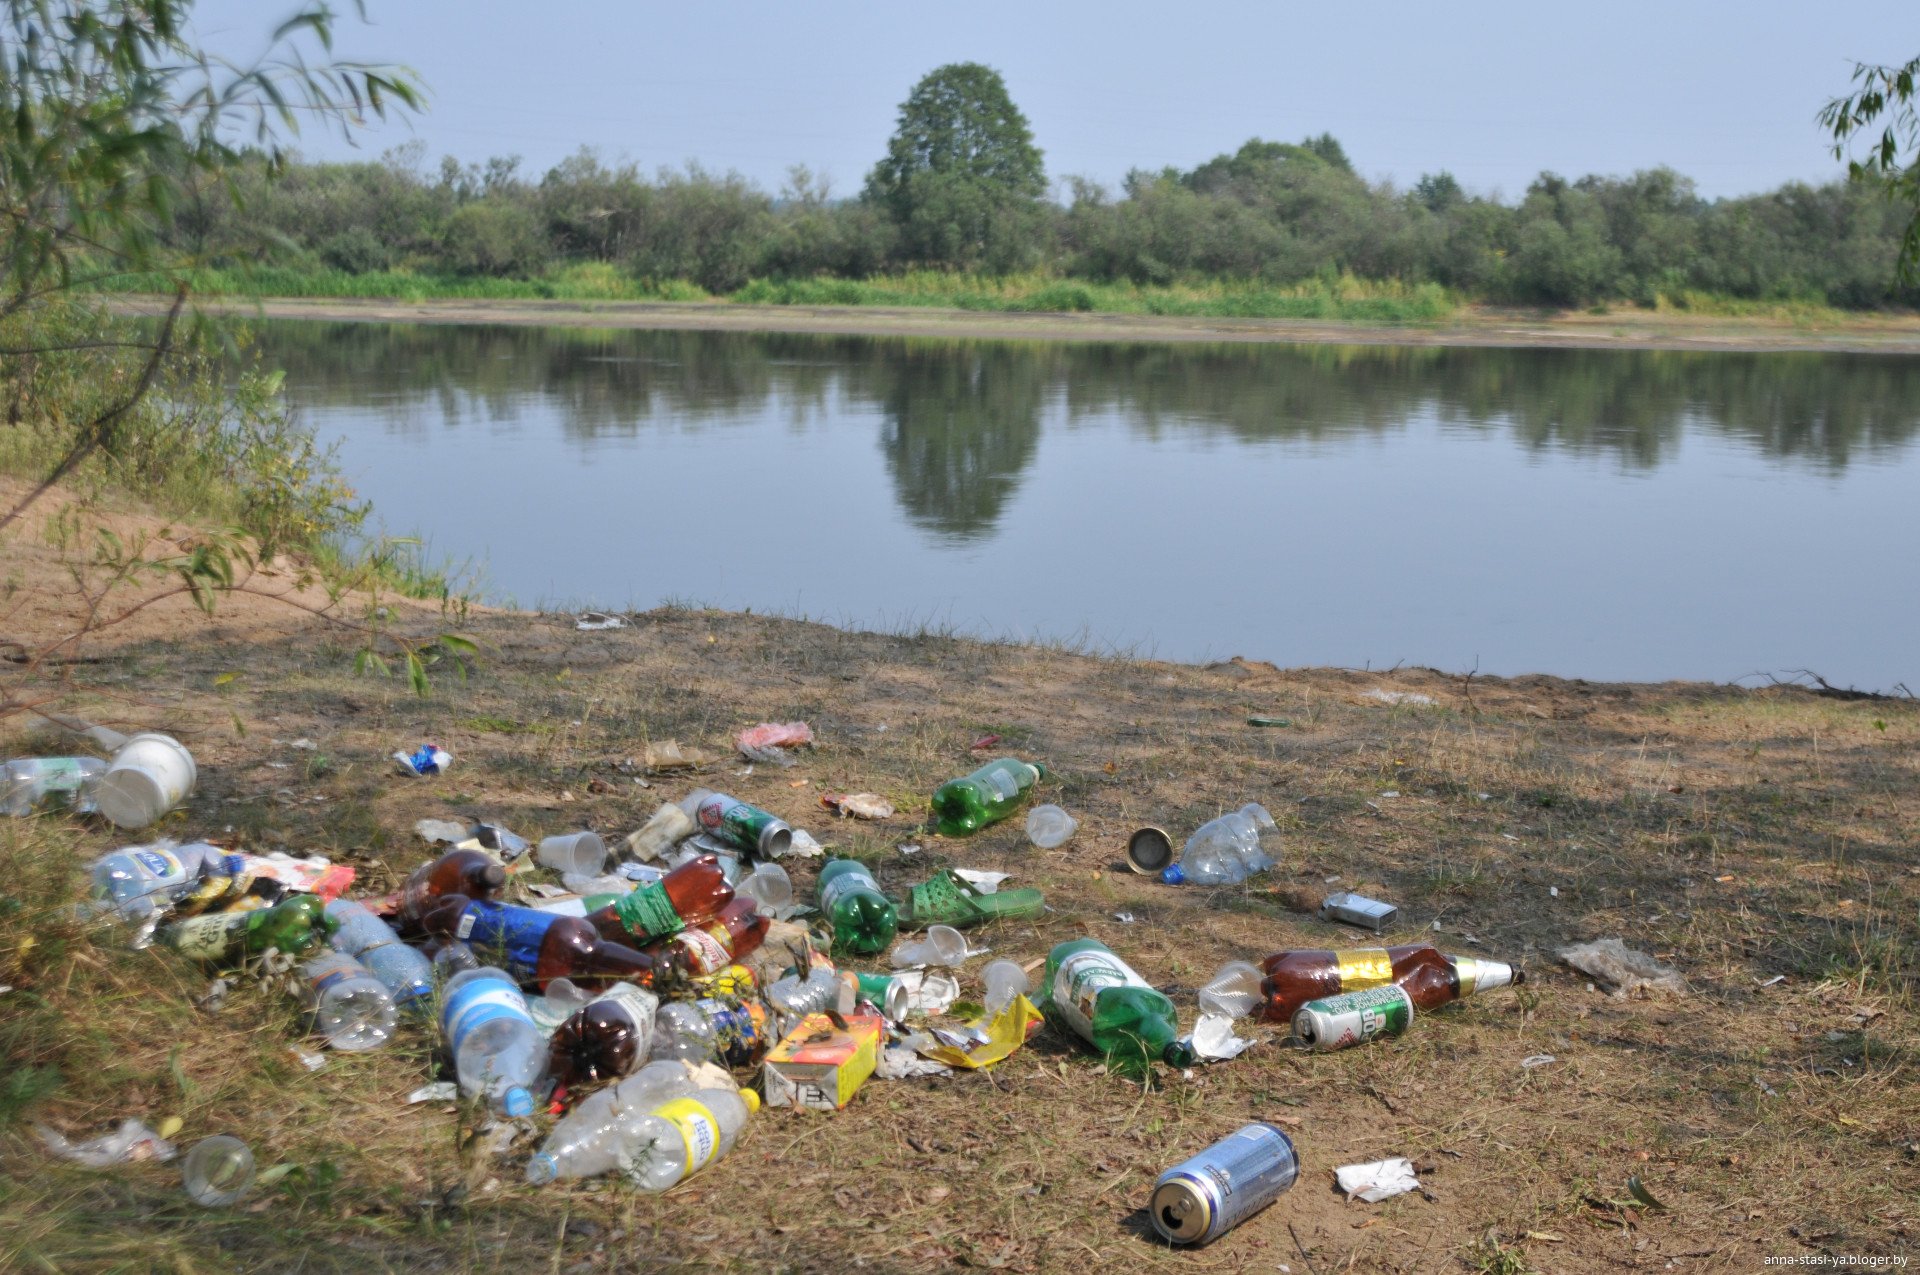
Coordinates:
<point>769,886</point>
<point>582,853</point>
<point>943,945</point>
<point>149,776</point>
<point>1005,980</point>
<point>1050,826</point>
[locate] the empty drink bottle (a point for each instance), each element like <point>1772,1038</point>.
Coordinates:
<point>1098,996</point>
<point>1430,978</point>
<point>691,893</point>
<point>989,794</point>
<point>42,785</point>
<point>349,1006</point>
<point>497,1051</point>
<point>474,874</point>
<point>1225,851</point>
<point>142,880</point>
<point>862,918</point>
<point>710,1030</point>
<point>589,1140</point>
<point>744,827</point>
<point>289,927</point>
<point>608,1037</point>
<point>405,971</point>
<point>539,946</point>
<point>683,1136</point>
<point>706,949</point>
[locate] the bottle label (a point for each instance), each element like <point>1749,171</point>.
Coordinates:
<point>647,913</point>
<point>519,932</point>
<point>160,862</point>
<point>1001,781</point>
<point>705,952</point>
<point>1479,976</point>
<point>698,1129</point>
<point>1081,978</point>
<point>207,938</point>
<point>734,821</point>
<point>1363,967</point>
<point>736,1030</point>
<point>481,1001</point>
<point>638,1003</point>
<point>845,884</point>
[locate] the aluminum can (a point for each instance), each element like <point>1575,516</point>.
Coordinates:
<point>1199,1200</point>
<point>1357,909</point>
<point>744,827</point>
<point>1352,1018</point>
<point>1149,850</point>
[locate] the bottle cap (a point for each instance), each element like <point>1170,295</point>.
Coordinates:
<point>752,1098</point>
<point>542,1169</point>
<point>1149,850</point>
<point>519,1102</point>
<point>1173,876</point>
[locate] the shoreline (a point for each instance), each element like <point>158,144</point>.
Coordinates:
<point>1482,327</point>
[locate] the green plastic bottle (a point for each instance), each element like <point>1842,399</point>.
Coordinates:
<point>1098,996</point>
<point>988,795</point>
<point>862,918</point>
<point>290,926</point>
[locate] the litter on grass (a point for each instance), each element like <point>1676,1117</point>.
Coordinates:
<point>1397,697</point>
<point>769,741</point>
<point>1380,1180</point>
<point>131,1142</point>
<point>1623,970</point>
<point>593,621</point>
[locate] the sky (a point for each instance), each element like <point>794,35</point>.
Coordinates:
<point>1493,92</point>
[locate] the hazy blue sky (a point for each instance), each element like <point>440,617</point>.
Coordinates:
<point>1494,92</point>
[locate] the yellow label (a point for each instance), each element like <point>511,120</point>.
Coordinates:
<point>203,937</point>
<point>1363,967</point>
<point>698,1129</point>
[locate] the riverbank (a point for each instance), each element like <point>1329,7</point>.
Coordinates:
<point>1759,840</point>
<point>1626,329</point>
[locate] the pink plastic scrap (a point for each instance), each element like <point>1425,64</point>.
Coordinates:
<point>774,735</point>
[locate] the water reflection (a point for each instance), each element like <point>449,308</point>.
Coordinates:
<point>961,421</point>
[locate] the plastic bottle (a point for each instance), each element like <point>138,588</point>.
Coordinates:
<point>862,918</point>
<point>1430,977</point>
<point>497,1051</point>
<point>1224,851</point>
<point>540,946</point>
<point>693,892</point>
<point>1049,826</point>
<point>350,1007</point>
<point>793,997</point>
<point>1234,990</point>
<point>142,880</point>
<point>683,1136</point>
<point>41,785</point>
<point>475,874</point>
<point>608,1037</point>
<point>1098,996</point>
<point>405,971</point>
<point>450,957</point>
<point>991,793</point>
<point>711,1030</point>
<point>734,822</point>
<point>587,1141</point>
<point>290,926</point>
<point>708,948</point>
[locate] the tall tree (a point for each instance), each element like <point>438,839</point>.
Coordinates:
<point>1884,96</point>
<point>962,177</point>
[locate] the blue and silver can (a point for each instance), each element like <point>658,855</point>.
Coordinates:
<point>1199,1200</point>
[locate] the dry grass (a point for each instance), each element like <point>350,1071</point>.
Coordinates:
<point>1775,1121</point>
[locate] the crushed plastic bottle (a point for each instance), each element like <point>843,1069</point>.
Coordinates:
<point>406,971</point>
<point>711,1029</point>
<point>587,1142</point>
<point>41,785</point>
<point>1225,851</point>
<point>140,882</point>
<point>497,1051</point>
<point>1049,826</point>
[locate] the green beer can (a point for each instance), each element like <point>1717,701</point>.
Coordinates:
<point>743,827</point>
<point>1353,1018</point>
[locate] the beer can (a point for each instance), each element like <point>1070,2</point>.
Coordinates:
<point>1353,1017</point>
<point>1357,909</point>
<point>1199,1200</point>
<point>748,828</point>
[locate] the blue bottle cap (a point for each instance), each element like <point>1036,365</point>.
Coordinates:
<point>1172,875</point>
<point>519,1102</point>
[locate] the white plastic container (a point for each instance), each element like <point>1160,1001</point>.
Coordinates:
<point>150,775</point>
<point>582,853</point>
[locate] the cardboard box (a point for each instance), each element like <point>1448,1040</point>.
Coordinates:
<point>819,1065</point>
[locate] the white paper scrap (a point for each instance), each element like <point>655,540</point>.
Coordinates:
<point>1381,1180</point>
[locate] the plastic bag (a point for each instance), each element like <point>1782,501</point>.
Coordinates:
<point>132,1141</point>
<point>1625,971</point>
<point>769,741</point>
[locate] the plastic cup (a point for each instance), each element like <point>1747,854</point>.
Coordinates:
<point>217,1171</point>
<point>943,945</point>
<point>582,853</point>
<point>1050,826</point>
<point>146,778</point>
<point>769,886</point>
<point>1005,980</point>
<point>1234,990</point>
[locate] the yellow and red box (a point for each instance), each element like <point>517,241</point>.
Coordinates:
<point>821,1065</point>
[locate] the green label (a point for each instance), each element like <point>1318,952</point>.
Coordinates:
<point>845,884</point>
<point>648,912</point>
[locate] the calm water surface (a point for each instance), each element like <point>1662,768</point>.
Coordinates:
<point>1609,515</point>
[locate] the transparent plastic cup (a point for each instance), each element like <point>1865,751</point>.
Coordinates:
<point>1005,980</point>
<point>583,853</point>
<point>943,945</point>
<point>1234,990</point>
<point>1050,826</point>
<point>769,886</point>
<point>217,1171</point>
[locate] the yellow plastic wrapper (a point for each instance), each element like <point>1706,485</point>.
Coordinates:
<point>1005,1034</point>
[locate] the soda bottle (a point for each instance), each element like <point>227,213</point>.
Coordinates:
<point>863,919</point>
<point>683,1136</point>
<point>711,1029</point>
<point>405,971</point>
<point>474,874</point>
<point>290,927</point>
<point>587,1141</point>
<point>41,785</point>
<point>1430,978</point>
<point>703,950</point>
<point>497,1051</point>
<point>1099,997</point>
<point>693,892</point>
<point>744,827</point>
<point>991,793</point>
<point>610,1036</point>
<point>539,946</point>
<point>349,1006</point>
<point>1224,851</point>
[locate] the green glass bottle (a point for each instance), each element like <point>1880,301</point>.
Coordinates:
<point>290,926</point>
<point>863,919</point>
<point>988,795</point>
<point>1098,996</point>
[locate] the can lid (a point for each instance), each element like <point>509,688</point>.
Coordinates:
<point>1149,850</point>
<point>1180,1212</point>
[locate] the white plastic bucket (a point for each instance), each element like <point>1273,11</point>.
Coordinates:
<point>146,778</point>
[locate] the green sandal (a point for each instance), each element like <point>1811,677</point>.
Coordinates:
<point>951,900</point>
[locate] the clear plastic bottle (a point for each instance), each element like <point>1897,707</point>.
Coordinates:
<point>793,997</point>
<point>1225,851</point>
<point>497,1051</point>
<point>679,1138</point>
<point>586,1142</point>
<point>710,1030</point>
<point>140,881</point>
<point>405,971</point>
<point>453,957</point>
<point>1234,990</point>
<point>36,785</point>
<point>350,1007</point>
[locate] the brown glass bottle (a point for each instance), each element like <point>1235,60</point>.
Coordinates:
<point>542,946</point>
<point>474,874</point>
<point>695,891</point>
<point>711,947</point>
<point>1430,977</point>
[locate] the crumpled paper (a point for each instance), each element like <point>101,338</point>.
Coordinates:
<point>668,827</point>
<point>1213,1039</point>
<point>859,805</point>
<point>897,1062</point>
<point>440,1091</point>
<point>1625,971</point>
<point>431,830</point>
<point>1005,1034</point>
<point>804,846</point>
<point>1381,1180</point>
